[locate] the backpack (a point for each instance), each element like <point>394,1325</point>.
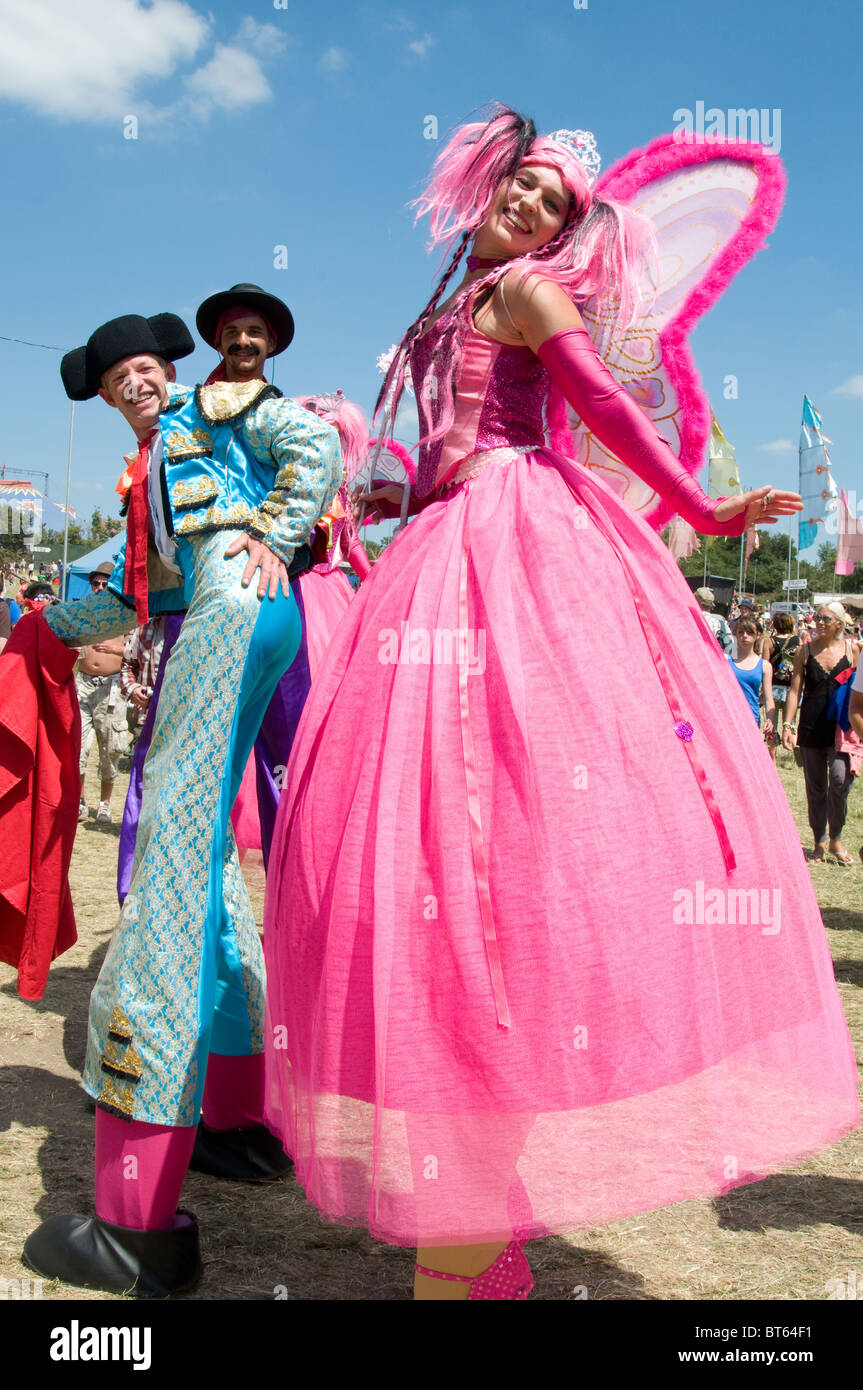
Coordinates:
<point>783,668</point>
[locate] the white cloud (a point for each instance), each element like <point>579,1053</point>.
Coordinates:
<point>334,59</point>
<point>852,387</point>
<point>264,39</point>
<point>420,47</point>
<point>88,60</point>
<point>399,23</point>
<point>231,79</point>
<point>778,446</point>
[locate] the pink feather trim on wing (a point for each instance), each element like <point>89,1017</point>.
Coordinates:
<point>662,156</point>
<point>392,446</point>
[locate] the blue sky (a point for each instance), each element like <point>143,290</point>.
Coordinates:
<point>262,125</point>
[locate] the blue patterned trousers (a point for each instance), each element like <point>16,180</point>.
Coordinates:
<point>184,973</point>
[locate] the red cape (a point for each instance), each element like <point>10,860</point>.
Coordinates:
<point>40,789</point>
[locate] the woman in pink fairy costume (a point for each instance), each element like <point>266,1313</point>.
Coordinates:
<point>551,956</point>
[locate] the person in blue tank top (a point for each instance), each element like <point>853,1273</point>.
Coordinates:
<point>754,674</point>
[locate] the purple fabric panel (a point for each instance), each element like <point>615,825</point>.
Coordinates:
<point>132,808</point>
<point>275,740</point>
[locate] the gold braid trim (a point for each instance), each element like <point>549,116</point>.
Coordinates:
<point>216,519</point>
<point>222,400</point>
<point>118,1099</point>
<point>194,494</point>
<point>128,1065</point>
<point>119,1026</point>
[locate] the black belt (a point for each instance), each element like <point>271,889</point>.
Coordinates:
<point>302,561</point>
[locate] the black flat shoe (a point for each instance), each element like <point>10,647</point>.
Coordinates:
<point>250,1154</point>
<point>93,1254</point>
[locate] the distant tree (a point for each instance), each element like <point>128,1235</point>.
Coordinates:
<point>823,577</point>
<point>12,548</point>
<point>103,527</point>
<point>374,549</point>
<point>768,566</point>
<point>723,557</point>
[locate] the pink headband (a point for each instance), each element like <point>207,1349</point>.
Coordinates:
<point>242,311</point>
<point>553,156</point>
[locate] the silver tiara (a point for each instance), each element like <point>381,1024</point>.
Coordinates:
<point>581,144</point>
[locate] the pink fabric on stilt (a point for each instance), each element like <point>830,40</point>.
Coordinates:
<point>233,1091</point>
<point>245,818</point>
<point>140,1170</point>
<point>325,598</point>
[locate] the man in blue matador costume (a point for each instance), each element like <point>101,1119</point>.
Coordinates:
<point>227,484</point>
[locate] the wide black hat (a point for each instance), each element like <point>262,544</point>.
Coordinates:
<point>163,335</point>
<point>256,300</point>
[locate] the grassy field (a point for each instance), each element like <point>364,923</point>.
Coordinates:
<point>784,1238</point>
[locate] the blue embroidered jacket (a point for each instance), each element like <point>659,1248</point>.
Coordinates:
<point>236,456</point>
<point>233,456</point>
<point>240,456</point>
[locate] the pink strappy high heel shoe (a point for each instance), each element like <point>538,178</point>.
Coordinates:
<point>509,1277</point>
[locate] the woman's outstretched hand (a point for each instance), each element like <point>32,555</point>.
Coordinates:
<point>391,493</point>
<point>763,506</point>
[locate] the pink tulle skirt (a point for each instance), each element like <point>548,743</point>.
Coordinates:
<point>325,598</point>
<point>514,982</point>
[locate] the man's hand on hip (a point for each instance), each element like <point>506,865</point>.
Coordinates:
<point>273,570</point>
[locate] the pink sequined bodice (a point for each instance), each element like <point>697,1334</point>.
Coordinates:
<point>500,392</point>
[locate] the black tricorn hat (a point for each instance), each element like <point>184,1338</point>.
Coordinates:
<point>257,301</point>
<point>164,335</point>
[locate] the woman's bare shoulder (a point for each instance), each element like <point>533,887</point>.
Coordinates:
<point>539,306</point>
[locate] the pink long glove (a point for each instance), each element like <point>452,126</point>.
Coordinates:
<point>621,425</point>
<point>359,560</point>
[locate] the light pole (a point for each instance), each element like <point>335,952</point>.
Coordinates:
<point>65,585</point>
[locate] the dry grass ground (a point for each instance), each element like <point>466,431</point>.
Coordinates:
<point>783,1238</point>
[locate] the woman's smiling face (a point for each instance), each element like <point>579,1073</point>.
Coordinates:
<point>526,214</point>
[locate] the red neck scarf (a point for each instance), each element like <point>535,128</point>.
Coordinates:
<point>135,574</point>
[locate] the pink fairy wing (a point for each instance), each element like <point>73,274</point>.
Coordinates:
<point>393,464</point>
<point>712,205</point>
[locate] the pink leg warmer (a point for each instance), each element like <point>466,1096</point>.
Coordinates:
<point>234,1091</point>
<point>140,1170</point>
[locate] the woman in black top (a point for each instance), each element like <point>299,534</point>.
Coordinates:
<point>827,772</point>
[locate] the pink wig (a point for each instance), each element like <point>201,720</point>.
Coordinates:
<point>600,249</point>
<point>350,422</point>
<point>598,255</point>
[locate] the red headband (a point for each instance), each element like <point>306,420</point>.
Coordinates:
<point>243,311</point>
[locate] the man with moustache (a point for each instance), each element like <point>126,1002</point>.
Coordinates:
<point>227,483</point>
